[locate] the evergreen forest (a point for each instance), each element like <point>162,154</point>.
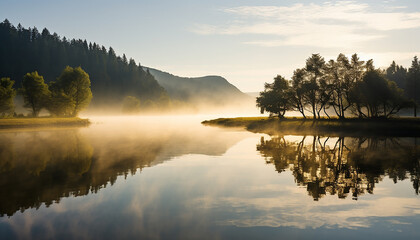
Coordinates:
<point>25,50</point>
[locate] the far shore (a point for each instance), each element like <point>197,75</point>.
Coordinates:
<point>42,122</point>
<point>398,127</point>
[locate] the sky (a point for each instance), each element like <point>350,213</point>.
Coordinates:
<point>247,42</point>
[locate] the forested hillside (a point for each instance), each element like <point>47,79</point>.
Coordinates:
<point>112,77</point>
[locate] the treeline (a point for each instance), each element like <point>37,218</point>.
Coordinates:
<point>347,87</point>
<point>112,77</point>
<point>67,96</point>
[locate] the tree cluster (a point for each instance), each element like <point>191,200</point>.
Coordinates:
<point>343,87</point>
<point>113,77</point>
<point>66,96</point>
<point>407,79</point>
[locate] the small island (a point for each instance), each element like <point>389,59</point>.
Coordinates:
<point>401,127</point>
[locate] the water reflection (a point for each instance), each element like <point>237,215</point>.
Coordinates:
<point>42,167</point>
<point>113,180</point>
<point>343,166</point>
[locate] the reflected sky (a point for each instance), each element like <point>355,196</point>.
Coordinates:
<point>173,178</point>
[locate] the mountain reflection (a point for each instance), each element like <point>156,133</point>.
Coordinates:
<point>343,166</point>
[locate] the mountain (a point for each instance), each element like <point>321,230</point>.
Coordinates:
<point>209,90</point>
<point>112,77</point>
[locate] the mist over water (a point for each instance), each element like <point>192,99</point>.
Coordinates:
<point>166,177</point>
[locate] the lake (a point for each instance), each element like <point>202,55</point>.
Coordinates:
<point>173,178</point>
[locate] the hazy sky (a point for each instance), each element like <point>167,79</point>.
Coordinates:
<point>247,42</point>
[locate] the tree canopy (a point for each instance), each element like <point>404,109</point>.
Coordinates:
<point>7,94</point>
<point>275,99</point>
<point>73,86</point>
<point>35,92</point>
<point>345,86</point>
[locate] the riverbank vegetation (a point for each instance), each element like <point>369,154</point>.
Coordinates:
<point>346,87</point>
<point>42,122</point>
<point>323,126</point>
<point>65,97</point>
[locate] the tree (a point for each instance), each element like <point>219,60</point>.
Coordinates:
<point>131,105</point>
<point>398,74</point>
<point>341,77</point>
<point>313,94</point>
<point>297,101</point>
<point>378,96</point>
<point>413,83</point>
<point>275,98</point>
<point>73,86</point>
<point>7,93</point>
<point>35,92</point>
<point>59,103</point>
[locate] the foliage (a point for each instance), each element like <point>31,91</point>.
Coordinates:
<point>35,92</point>
<point>397,74</point>
<point>71,92</point>
<point>344,85</point>
<point>378,96</point>
<point>131,105</point>
<point>413,83</point>
<point>7,93</point>
<point>276,97</point>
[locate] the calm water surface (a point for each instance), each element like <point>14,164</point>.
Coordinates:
<point>172,178</point>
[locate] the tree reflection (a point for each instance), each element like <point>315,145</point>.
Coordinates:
<point>343,166</point>
<point>43,167</point>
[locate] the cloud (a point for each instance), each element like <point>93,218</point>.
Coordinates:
<point>330,24</point>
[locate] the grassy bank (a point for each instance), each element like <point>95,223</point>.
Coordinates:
<point>409,127</point>
<point>41,122</point>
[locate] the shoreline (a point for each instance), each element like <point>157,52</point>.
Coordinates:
<point>398,127</point>
<point>7,123</point>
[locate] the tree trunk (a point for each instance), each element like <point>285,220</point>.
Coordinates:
<point>314,111</point>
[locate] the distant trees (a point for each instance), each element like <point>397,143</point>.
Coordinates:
<point>7,94</point>
<point>131,105</point>
<point>347,86</point>
<point>413,83</point>
<point>408,80</point>
<point>35,92</point>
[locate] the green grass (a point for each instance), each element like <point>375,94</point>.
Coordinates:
<point>42,122</point>
<point>324,126</point>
